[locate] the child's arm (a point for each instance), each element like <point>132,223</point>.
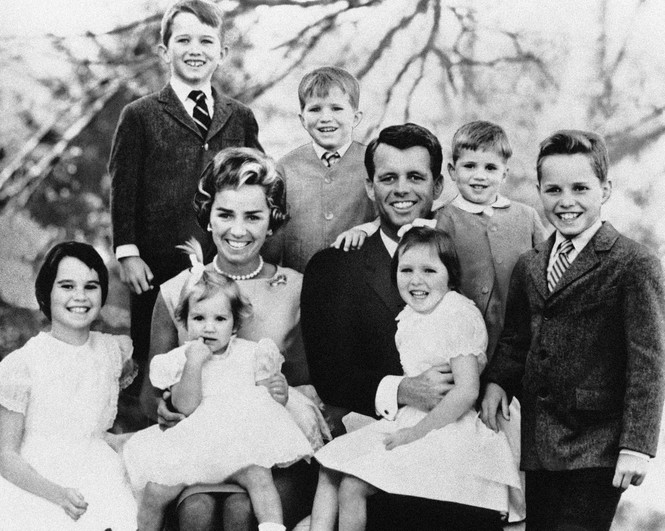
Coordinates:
<point>355,236</point>
<point>17,470</point>
<point>125,168</point>
<point>458,401</point>
<point>186,394</point>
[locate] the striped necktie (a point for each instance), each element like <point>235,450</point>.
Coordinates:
<point>330,158</point>
<point>561,263</point>
<point>201,115</point>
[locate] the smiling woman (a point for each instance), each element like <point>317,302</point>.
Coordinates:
<point>241,202</point>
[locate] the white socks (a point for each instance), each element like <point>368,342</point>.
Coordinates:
<point>271,526</point>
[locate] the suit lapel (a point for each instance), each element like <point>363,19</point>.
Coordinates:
<point>588,259</point>
<point>220,115</point>
<point>538,266</point>
<point>377,272</point>
<point>174,107</point>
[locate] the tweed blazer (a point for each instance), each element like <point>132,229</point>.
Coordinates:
<point>488,249</point>
<point>348,307</point>
<point>157,157</point>
<point>586,360</point>
<point>323,202</point>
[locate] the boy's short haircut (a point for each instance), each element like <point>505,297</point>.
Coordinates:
<point>404,137</point>
<point>207,12</point>
<point>481,135</point>
<point>571,142</point>
<point>318,83</point>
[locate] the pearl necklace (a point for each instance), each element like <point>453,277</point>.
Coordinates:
<point>239,277</point>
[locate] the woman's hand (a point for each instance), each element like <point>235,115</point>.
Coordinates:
<point>72,501</point>
<point>165,417</point>
<point>277,387</point>
<point>400,437</point>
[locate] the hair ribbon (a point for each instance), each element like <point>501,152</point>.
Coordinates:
<point>418,222</point>
<point>197,269</point>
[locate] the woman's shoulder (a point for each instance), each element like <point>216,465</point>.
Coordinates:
<point>172,287</point>
<point>459,305</point>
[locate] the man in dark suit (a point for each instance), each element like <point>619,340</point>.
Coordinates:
<point>583,347</point>
<point>348,309</point>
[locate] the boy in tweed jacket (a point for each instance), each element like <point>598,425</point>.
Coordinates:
<point>583,348</point>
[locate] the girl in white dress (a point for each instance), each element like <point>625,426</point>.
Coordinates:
<point>58,398</point>
<point>234,430</point>
<point>446,454</point>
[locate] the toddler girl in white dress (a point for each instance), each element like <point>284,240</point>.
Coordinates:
<point>234,429</point>
<point>446,454</point>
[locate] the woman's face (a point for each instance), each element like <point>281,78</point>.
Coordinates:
<point>239,221</point>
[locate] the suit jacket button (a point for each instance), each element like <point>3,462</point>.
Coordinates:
<point>542,392</point>
<point>329,216</point>
<point>327,180</point>
<point>485,290</point>
<point>205,146</point>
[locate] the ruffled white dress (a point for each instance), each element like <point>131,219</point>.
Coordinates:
<point>464,462</point>
<point>68,395</point>
<point>236,424</point>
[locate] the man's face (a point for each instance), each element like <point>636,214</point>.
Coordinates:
<point>403,187</point>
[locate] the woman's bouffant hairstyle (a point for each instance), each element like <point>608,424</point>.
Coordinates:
<point>233,168</point>
<point>437,240</point>
<point>204,284</point>
<point>49,270</point>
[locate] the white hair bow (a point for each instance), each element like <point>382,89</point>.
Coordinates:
<point>197,269</point>
<point>418,222</point>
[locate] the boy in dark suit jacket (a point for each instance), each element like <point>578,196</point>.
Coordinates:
<point>582,347</point>
<point>162,143</point>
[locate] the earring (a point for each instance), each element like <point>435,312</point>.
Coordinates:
<point>269,233</point>
<point>209,227</point>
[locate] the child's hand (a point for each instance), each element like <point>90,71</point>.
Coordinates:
<point>136,274</point>
<point>400,437</point>
<point>198,352</point>
<point>72,501</point>
<point>350,239</point>
<point>494,397</point>
<point>277,387</point>
<point>630,470</point>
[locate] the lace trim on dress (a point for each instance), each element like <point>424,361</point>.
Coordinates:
<point>14,383</point>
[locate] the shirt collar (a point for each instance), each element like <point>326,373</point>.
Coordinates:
<point>182,90</point>
<point>581,240</point>
<point>474,208</point>
<point>390,244</point>
<point>320,151</point>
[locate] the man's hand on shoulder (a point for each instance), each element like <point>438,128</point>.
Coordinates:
<point>427,389</point>
<point>136,274</point>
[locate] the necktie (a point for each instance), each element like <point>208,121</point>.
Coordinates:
<point>201,114</point>
<point>330,158</point>
<point>561,263</point>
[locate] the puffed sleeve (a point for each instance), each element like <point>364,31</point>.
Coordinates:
<point>15,383</point>
<point>166,369</point>
<point>267,360</point>
<point>129,367</point>
<point>470,336</point>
